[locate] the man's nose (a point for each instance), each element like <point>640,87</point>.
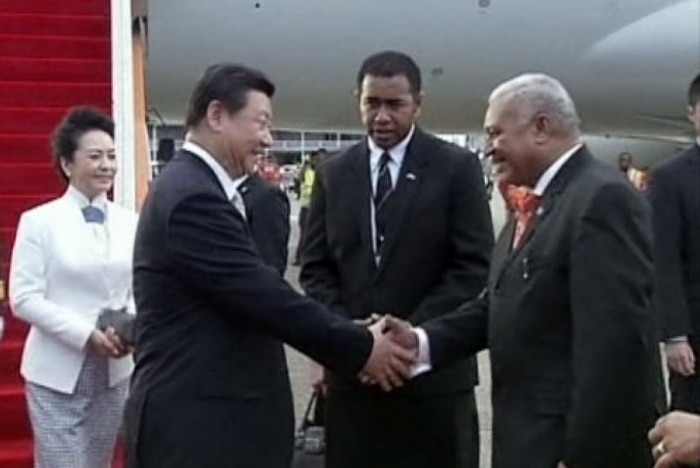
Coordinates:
<point>382,114</point>
<point>267,138</point>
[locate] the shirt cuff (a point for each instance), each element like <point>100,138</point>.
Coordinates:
<point>678,339</point>
<point>423,363</point>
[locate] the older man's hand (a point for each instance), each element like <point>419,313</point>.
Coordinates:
<point>676,439</point>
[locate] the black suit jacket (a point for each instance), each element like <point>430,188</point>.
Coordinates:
<point>267,215</point>
<point>435,253</point>
<point>567,320</point>
<point>210,387</point>
<point>675,196</point>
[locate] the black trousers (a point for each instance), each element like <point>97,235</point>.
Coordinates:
<point>685,393</point>
<point>389,431</point>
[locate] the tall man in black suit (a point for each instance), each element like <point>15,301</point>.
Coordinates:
<point>567,312</point>
<point>675,197</point>
<point>267,216</point>
<point>399,223</point>
<point>210,388</point>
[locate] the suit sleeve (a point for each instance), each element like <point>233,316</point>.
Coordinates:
<point>613,347</point>
<point>670,302</point>
<point>459,334</point>
<point>207,245</point>
<point>272,226</point>
<point>28,299</point>
<point>471,242</point>
<point>319,276</point>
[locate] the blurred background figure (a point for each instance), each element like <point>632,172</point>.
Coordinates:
<point>72,261</point>
<point>637,177</point>
<point>674,193</point>
<point>307,176</point>
<point>267,215</point>
<point>269,170</point>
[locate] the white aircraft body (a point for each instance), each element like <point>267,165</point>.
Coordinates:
<point>626,63</point>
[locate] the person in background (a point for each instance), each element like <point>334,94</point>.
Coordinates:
<point>637,178</point>
<point>270,171</point>
<point>399,223</point>
<point>674,193</point>
<point>71,261</point>
<point>267,216</point>
<point>307,175</point>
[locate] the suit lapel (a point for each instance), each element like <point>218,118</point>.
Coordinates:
<point>360,191</point>
<point>502,252</point>
<point>549,199</point>
<point>406,187</point>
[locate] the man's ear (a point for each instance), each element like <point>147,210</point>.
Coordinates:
<point>420,99</point>
<point>215,114</point>
<point>543,127</point>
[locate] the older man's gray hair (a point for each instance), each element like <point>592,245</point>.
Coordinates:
<point>533,94</point>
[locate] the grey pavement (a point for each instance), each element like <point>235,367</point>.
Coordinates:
<point>300,367</point>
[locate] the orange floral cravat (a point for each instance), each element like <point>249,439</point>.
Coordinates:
<point>524,203</point>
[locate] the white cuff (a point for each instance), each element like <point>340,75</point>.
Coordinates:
<point>423,363</point>
<point>677,339</point>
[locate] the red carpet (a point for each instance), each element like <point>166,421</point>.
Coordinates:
<point>53,55</point>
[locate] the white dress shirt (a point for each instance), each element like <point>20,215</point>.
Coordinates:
<point>397,154</point>
<point>229,185</point>
<point>423,363</point>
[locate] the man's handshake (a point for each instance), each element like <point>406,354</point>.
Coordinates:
<point>394,353</point>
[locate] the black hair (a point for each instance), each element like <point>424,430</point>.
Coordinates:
<point>388,64</point>
<point>228,83</point>
<point>694,91</point>
<point>76,123</point>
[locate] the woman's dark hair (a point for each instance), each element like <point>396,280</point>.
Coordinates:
<point>76,123</point>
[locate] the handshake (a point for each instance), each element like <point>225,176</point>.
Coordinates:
<point>394,352</point>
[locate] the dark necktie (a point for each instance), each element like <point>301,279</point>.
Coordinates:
<point>381,195</point>
<point>93,214</point>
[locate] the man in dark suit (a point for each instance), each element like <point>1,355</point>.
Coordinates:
<point>567,314</point>
<point>675,196</point>
<point>399,223</point>
<point>267,216</point>
<point>210,388</point>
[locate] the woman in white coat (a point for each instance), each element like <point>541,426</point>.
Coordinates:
<point>72,260</point>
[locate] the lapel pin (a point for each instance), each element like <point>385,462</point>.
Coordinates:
<point>411,176</point>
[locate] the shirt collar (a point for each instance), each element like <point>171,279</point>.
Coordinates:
<point>397,153</point>
<point>549,174</point>
<point>229,185</point>
<point>79,197</point>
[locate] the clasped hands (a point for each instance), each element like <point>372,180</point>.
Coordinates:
<point>394,352</point>
<point>107,343</point>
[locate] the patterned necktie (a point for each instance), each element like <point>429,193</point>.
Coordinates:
<point>93,214</point>
<point>381,194</point>
<point>524,203</point>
